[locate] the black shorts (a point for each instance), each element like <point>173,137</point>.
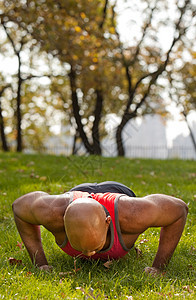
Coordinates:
<point>104,187</point>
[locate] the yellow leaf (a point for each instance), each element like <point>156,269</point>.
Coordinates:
<point>43,178</point>
<point>77,29</point>
<point>95,60</point>
<point>112,30</point>
<point>108,264</point>
<point>83,16</point>
<point>74,57</point>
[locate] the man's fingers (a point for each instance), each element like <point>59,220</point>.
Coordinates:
<point>152,271</point>
<point>46,268</point>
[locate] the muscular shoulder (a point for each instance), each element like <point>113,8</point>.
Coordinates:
<point>39,207</point>
<point>23,206</point>
<point>50,208</point>
<point>138,214</point>
<point>135,214</point>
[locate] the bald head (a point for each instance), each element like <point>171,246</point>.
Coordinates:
<point>86,225</point>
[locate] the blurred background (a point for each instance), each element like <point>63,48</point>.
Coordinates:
<point>104,77</point>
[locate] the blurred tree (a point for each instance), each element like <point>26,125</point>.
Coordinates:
<point>100,74</point>
<point>5,146</point>
<point>182,91</point>
<point>40,109</point>
<point>17,51</point>
<point>75,33</point>
<point>22,44</point>
<point>146,62</point>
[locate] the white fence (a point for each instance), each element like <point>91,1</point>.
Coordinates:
<point>152,152</point>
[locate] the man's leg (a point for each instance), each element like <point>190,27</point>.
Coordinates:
<point>85,187</point>
<point>115,187</point>
<point>104,187</point>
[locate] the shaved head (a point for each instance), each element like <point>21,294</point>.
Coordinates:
<point>86,225</point>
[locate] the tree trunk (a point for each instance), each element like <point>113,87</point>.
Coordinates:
<point>74,150</point>
<point>76,112</point>
<point>18,105</point>
<point>18,113</point>
<point>190,130</point>
<point>18,109</point>
<point>74,146</point>
<point>119,142</point>
<point>2,131</point>
<point>125,119</point>
<point>95,129</point>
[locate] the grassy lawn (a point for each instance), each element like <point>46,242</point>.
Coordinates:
<point>125,279</point>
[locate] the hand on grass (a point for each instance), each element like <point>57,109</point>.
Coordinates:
<point>152,271</point>
<point>46,268</point>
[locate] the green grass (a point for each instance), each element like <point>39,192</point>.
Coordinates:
<point>20,174</point>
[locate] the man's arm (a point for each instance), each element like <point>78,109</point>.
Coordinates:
<point>169,238</point>
<point>170,214</point>
<point>29,226</point>
<point>163,211</point>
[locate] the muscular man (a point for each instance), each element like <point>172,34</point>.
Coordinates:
<point>99,225</point>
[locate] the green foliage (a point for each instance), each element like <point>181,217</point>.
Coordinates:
<point>20,174</point>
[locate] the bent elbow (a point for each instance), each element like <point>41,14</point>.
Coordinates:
<point>14,207</point>
<point>186,208</point>
<point>184,211</point>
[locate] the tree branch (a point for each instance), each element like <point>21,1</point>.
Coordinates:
<point>104,14</point>
<point>76,111</point>
<point>10,39</point>
<point>4,88</point>
<point>125,64</point>
<point>2,127</point>
<point>143,35</point>
<point>36,76</point>
<point>179,32</point>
